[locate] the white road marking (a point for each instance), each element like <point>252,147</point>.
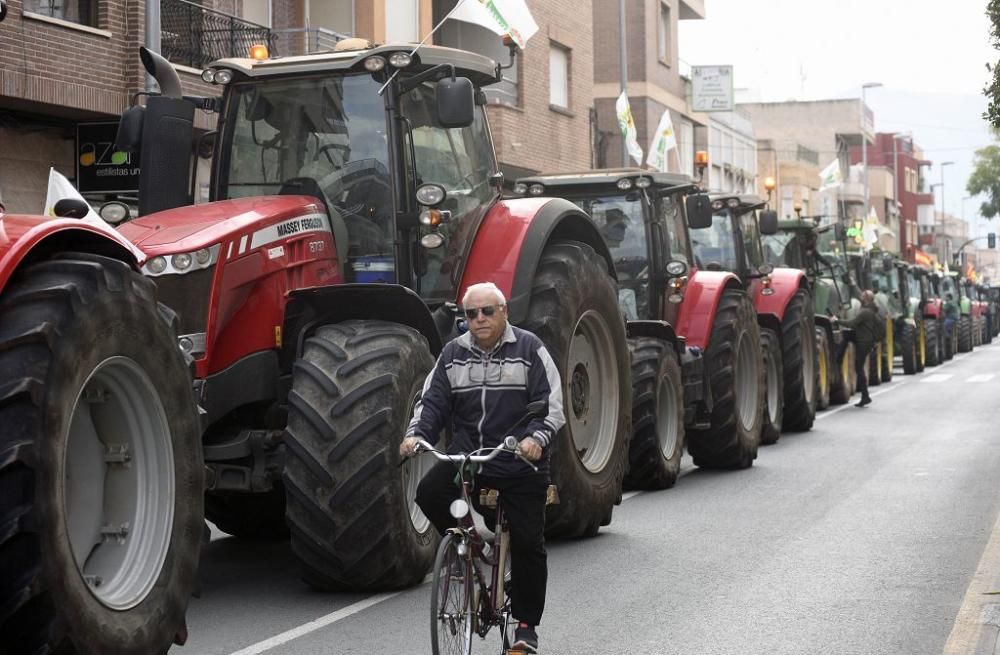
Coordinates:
<point>937,377</point>
<point>319,623</point>
<point>892,387</point>
<point>985,377</point>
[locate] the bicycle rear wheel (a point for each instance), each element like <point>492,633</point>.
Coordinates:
<point>451,601</point>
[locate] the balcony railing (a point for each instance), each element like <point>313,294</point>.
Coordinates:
<point>195,36</point>
<point>307,40</point>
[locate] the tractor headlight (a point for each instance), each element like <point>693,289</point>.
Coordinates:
<point>182,262</point>
<point>223,77</point>
<point>156,265</point>
<point>536,189</point>
<point>520,188</point>
<point>374,64</point>
<point>208,75</point>
<point>624,184</point>
<point>643,182</point>
<point>400,59</point>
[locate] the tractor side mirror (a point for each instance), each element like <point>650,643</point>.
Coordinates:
<point>71,208</point>
<point>699,211</point>
<point>129,136</point>
<point>768,222</point>
<point>456,102</point>
<point>3,10</point>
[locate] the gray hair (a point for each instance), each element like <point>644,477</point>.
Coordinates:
<point>484,286</point>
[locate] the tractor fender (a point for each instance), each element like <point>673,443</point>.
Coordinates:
<point>307,309</point>
<point>25,239</point>
<point>701,300</point>
<point>656,330</point>
<point>510,240</point>
<point>785,283</point>
<point>933,309</point>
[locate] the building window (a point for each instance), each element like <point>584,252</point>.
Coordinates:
<point>83,12</point>
<point>558,76</point>
<point>663,35</point>
<point>474,38</point>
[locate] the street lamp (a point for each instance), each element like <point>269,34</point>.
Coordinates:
<point>864,141</point>
<point>944,221</point>
<point>904,237</point>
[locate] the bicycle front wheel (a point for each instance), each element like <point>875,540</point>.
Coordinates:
<point>451,601</point>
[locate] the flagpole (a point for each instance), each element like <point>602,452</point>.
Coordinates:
<point>624,68</point>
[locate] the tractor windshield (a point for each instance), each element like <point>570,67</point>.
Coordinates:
<point>323,137</point>
<point>621,222</point>
<point>714,247</point>
<point>785,249</point>
<point>885,281</point>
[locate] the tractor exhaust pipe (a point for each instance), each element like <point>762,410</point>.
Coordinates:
<point>162,72</point>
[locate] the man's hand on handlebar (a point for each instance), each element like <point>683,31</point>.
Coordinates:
<point>530,449</point>
<point>409,447</point>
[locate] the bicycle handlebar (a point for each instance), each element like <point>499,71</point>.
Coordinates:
<point>509,445</point>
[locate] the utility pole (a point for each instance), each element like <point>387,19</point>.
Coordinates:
<point>944,219</point>
<point>864,143</point>
<point>623,63</point>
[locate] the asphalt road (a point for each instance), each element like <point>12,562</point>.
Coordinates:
<point>862,536</point>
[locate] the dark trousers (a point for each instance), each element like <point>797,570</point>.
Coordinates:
<point>861,352</point>
<point>523,501</point>
<point>861,359</point>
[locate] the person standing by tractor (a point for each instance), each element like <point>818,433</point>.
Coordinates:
<point>481,386</point>
<point>868,330</point>
<point>951,315</point>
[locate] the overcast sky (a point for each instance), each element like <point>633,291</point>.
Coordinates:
<point>929,55</point>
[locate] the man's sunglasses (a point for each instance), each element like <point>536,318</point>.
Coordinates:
<point>473,312</point>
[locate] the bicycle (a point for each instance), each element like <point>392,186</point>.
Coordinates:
<point>469,593</point>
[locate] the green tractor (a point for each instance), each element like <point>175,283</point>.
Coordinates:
<point>901,304</point>
<point>818,251</point>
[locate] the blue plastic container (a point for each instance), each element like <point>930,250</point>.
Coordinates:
<point>374,269</point>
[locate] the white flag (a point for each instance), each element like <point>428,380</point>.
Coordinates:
<point>831,176</point>
<point>870,231</point>
<point>60,189</point>
<point>663,142</point>
<point>500,16</point>
<point>627,125</point>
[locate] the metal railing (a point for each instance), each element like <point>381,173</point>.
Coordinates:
<point>306,40</point>
<point>194,36</point>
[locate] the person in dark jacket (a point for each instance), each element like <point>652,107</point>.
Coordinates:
<point>869,329</point>
<point>481,386</point>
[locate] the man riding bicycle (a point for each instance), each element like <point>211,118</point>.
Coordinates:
<point>481,384</point>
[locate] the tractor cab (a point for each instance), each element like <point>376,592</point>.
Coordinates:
<point>642,217</point>
<point>393,143</point>
<point>733,241</point>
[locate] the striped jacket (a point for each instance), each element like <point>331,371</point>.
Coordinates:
<point>483,394</point>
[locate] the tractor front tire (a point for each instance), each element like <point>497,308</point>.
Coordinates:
<point>934,354</point>
<point>910,348</point>
<point>351,505</point>
<point>844,379</point>
<point>964,327</point>
<point>657,415</point>
<point>95,400</point>
<point>774,382</point>
<point>736,375</point>
<point>574,311</point>
<point>799,356</point>
<point>824,359</point>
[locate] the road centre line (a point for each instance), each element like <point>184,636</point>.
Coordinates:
<point>984,377</point>
<point>936,377</point>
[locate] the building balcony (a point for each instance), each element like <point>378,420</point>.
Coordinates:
<point>852,192</point>
<point>194,36</point>
<point>307,40</point>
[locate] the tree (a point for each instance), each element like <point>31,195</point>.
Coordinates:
<point>992,91</point>
<point>985,178</point>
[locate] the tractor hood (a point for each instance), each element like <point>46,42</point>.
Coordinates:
<point>186,229</point>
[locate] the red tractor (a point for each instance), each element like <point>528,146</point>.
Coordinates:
<point>355,195</point>
<point>693,339</point>
<point>783,302</point>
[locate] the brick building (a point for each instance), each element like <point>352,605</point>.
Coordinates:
<point>655,79</point>
<point>902,163</point>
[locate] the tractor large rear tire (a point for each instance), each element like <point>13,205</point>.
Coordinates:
<point>964,327</point>
<point>845,377</point>
<point>824,359</point>
<point>774,382</point>
<point>657,415</point>
<point>254,517</point>
<point>351,508</point>
<point>910,348</point>
<point>736,375</point>
<point>934,354</point>
<point>574,311</point>
<point>95,399</point>
<point>888,351</point>
<point>799,357</point>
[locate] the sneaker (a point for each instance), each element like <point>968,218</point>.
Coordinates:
<point>525,638</point>
<point>864,401</point>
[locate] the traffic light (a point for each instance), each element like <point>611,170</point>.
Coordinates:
<point>991,240</point>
